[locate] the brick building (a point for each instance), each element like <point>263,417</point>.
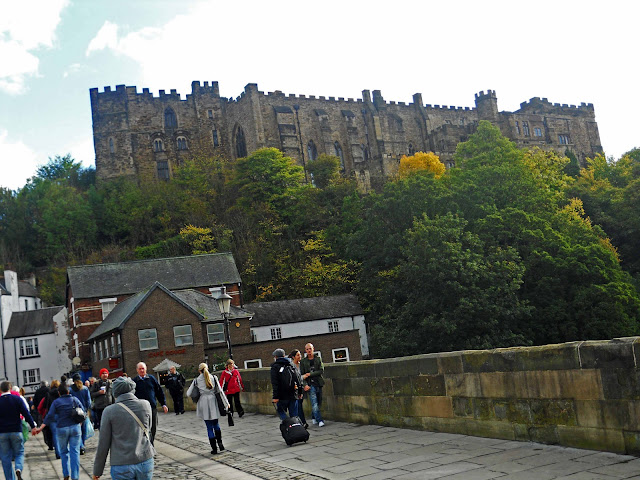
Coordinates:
<point>142,136</point>
<point>93,291</point>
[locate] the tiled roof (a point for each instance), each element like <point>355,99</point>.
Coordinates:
<point>176,273</point>
<point>25,289</point>
<point>32,322</point>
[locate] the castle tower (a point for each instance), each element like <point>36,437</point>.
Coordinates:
<point>487,106</point>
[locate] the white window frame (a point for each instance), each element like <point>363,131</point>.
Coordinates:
<point>95,352</point>
<point>176,336</point>
<point>29,344</point>
<point>247,362</point>
<point>209,333</point>
<point>107,304</point>
<point>119,345</point>
<point>112,346</point>
<point>276,333</point>
<point>100,351</point>
<point>537,132</point>
<point>140,339</point>
<point>31,376</point>
<point>334,326</point>
<point>333,354</point>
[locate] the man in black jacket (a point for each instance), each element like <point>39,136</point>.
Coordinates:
<point>175,384</point>
<point>101,396</point>
<point>41,393</point>
<point>148,388</point>
<point>284,396</point>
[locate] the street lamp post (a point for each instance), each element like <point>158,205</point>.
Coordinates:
<point>224,304</point>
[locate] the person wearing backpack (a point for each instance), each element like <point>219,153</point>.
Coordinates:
<point>311,369</point>
<point>284,380</point>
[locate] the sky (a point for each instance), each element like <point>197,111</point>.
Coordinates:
<point>53,51</point>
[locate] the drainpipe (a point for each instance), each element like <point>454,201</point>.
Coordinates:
<point>15,356</point>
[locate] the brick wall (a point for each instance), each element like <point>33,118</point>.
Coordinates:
<point>580,394</point>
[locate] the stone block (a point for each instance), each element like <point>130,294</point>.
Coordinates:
<point>608,354</point>
<point>502,384</point>
<point>633,407</point>
<point>621,383</point>
<point>562,356</point>
<point>591,438</point>
<point>428,364</point>
<point>499,360</point>
<point>553,412</point>
<point>427,385</point>
<point>359,369</point>
<point>491,429</point>
<point>381,386</point>
<point>462,407</point>
<point>448,425</point>
<point>604,414</point>
<point>449,363</point>
<point>351,386</point>
<point>483,409</point>
<point>401,386</point>
<point>575,384</point>
<point>517,411</point>
<point>631,442</point>
<point>543,434</point>
<point>463,385</point>
<point>441,407</point>
<point>392,366</point>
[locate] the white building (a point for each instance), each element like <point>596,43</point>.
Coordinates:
<point>35,346</point>
<point>15,296</point>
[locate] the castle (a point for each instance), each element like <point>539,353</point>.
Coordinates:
<point>142,136</point>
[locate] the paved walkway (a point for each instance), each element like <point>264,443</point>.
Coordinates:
<point>344,451</point>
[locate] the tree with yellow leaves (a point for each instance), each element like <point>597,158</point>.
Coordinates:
<point>420,162</point>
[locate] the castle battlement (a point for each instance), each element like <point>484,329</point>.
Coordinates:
<point>559,107</point>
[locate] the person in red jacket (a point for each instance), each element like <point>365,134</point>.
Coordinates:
<point>232,385</point>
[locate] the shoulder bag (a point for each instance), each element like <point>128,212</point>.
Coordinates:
<point>195,392</point>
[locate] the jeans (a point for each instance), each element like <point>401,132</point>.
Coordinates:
<point>69,441</point>
<point>138,471</point>
<point>283,405</point>
<point>213,426</point>
<point>11,447</point>
<point>53,426</point>
<point>315,395</point>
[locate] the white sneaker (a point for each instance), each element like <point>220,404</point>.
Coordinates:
<point>313,421</point>
<point>321,424</point>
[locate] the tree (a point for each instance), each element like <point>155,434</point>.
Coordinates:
<point>421,162</point>
<point>324,170</point>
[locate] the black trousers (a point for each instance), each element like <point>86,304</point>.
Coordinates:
<point>178,402</point>
<point>154,424</point>
<point>96,414</point>
<point>235,397</point>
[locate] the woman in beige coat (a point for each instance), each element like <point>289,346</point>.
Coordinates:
<point>207,406</point>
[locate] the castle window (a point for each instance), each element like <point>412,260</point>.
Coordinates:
<point>210,113</point>
<point>241,145</point>
<point>312,151</point>
<point>182,143</point>
<point>163,170</point>
<point>216,140</point>
<point>339,154</point>
<point>412,150</point>
<point>563,139</point>
<point>365,152</point>
<point>158,145</point>
<point>537,132</point>
<point>170,120</point>
<point>525,128</point>
<point>112,146</point>
<point>518,127</point>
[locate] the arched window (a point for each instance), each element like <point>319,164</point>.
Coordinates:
<point>181,143</point>
<point>312,151</point>
<point>216,140</point>
<point>112,146</point>
<point>241,144</point>
<point>158,146</point>
<point>170,120</point>
<point>365,152</point>
<point>339,154</point>
<point>412,150</point>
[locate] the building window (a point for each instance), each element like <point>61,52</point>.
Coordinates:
<point>112,146</point>
<point>107,305</point>
<point>216,140</point>
<point>31,376</point>
<point>170,120</point>
<point>26,304</point>
<point>365,152</point>
<point>158,145</point>
<point>29,348</point>
<point>181,143</point>
<point>257,363</point>
<point>563,139</point>
<point>95,352</point>
<point>112,346</point>
<point>537,132</point>
<point>518,127</point>
<point>210,113</point>
<point>312,151</point>
<point>241,144</point>
<point>106,348</point>
<point>163,170</point>
<point>276,333</point>
<point>215,332</point>
<point>148,339</point>
<point>339,154</point>
<point>182,335</point>
<point>100,354</point>
<point>118,344</point>
<point>412,151</point>
<point>525,128</point>
<point>340,354</point>
<point>333,326</point>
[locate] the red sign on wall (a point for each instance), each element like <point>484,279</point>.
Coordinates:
<point>113,363</point>
<point>161,353</point>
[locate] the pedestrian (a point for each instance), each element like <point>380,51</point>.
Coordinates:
<point>284,385</point>
<point>175,384</point>
<point>312,369</point>
<point>68,432</point>
<point>295,357</point>
<point>41,393</point>
<point>52,426</point>
<point>125,434</point>
<point>102,396</point>
<point>232,386</point>
<point>207,406</point>
<point>148,388</point>
<point>81,392</point>
<point>11,440</point>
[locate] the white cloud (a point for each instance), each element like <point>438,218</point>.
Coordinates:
<point>71,69</point>
<point>82,151</point>
<point>107,37</point>
<point>22,31</point>
<point>17,162</point>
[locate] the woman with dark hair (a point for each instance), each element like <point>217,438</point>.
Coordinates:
<point>68,432</point>
<point>50,431</point>
<point>207,407</point>
<point>295,357</point>
<point>81,392</point>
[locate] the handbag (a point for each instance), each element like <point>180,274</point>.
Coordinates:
<point>195,392</point>
<point>26,429</point>
<point>221,406</point>
<point>78,415</point>
<point>88,428</point>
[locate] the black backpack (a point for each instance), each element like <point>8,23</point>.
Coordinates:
<point>291,380</point>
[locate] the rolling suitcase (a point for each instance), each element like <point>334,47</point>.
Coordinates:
<point>293,431</point>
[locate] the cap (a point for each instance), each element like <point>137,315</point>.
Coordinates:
<point>76,377</point>
<point>278,352</point>
<point>123,385</point>
<point>104,370</point>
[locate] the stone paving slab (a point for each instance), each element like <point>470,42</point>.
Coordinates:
<point>345,451</point>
